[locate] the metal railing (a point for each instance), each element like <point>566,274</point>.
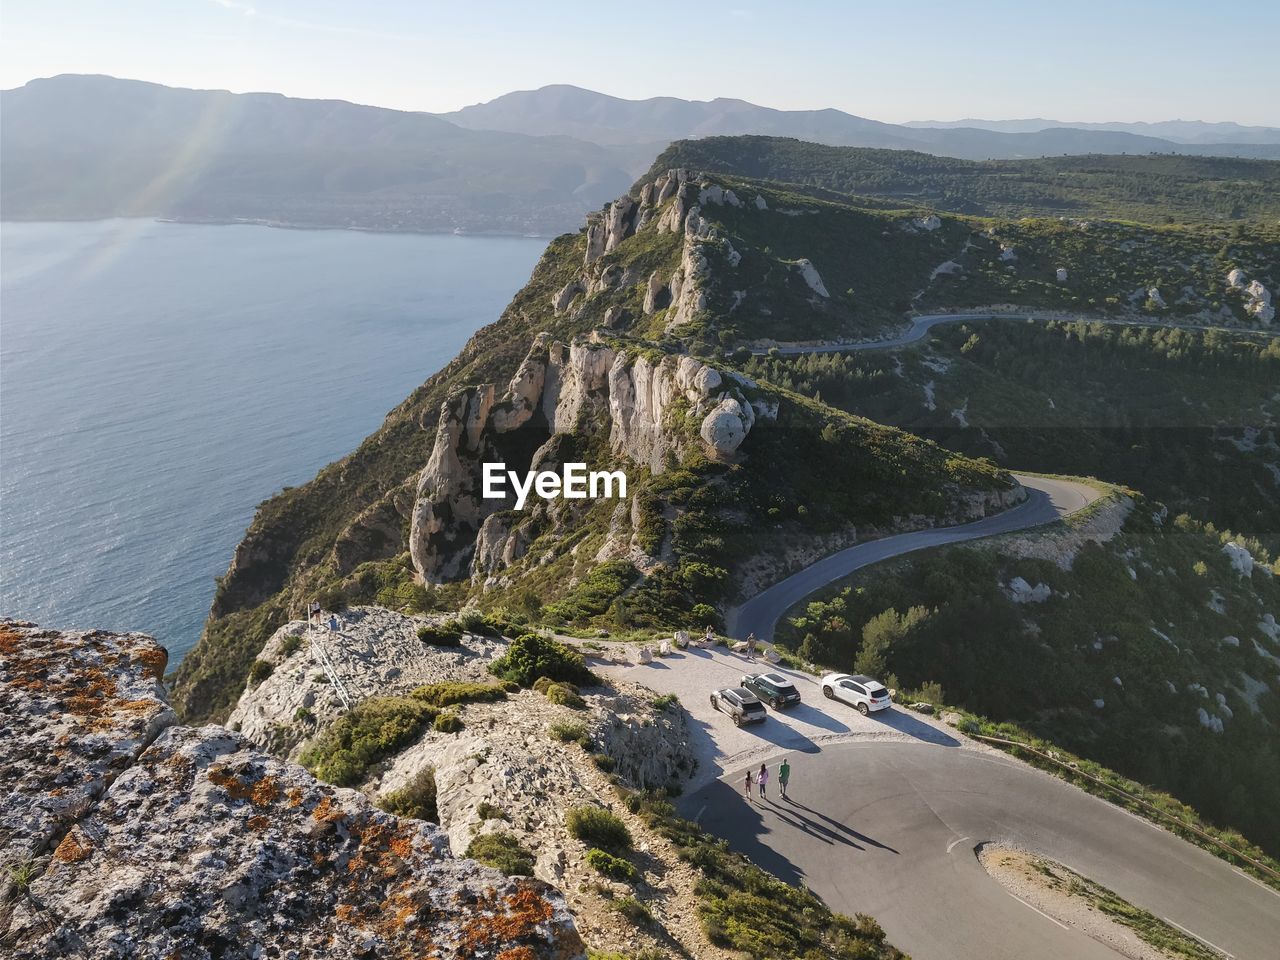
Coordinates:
<point>326,663</point>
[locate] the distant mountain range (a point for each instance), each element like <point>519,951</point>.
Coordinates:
<point>1178,131</point>
<point>574,112</point>
<point>87,147</point>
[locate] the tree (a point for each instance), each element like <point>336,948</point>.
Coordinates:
<point>881,633</point>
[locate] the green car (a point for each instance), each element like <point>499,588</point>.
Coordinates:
<point>772,688</point>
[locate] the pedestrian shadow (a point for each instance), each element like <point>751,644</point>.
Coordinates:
<point>842,827</point>
<point>904,722</point>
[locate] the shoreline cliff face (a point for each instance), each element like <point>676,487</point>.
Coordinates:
<point>612,355</point>
<point>125,835</point>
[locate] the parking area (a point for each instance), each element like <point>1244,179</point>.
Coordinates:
<point>805,728</point>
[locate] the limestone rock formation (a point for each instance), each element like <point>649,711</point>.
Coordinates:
<point>204,847</point>
<point>375,652</point>
<point>585,388</point>
<point>1061,274</point>
<point>811,276</point>
<point>79,708</point>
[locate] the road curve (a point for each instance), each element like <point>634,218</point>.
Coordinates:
<point>1047,501</point>
<point>920,327</point>
<point>889,829</point>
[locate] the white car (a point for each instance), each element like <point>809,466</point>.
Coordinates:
<point>856,690</point>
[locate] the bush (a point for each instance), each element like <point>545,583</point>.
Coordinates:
<point>447,634</point>
<point>332,598</point>
<point>473,621</point>
<point>260,670</point>
<point>370,731</point>
<point>491,811</point>
<point>563,695</point>
<point>597,827</point>
<point>302,714</point>
<point>448,723</point>
<point>704,613</point>
<point>416,799</point>
<point>509,686</point>
<point>543,684</point>
<point>632,909</point>
<point>450,693</point>
<point>611,866</point>
<point>503,852</point>
<point>666,700</point>
<point>290,645</point>
<point>531,656</point>
<point>604,762</point>
<point>568,731</point>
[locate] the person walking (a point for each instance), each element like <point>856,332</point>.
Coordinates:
<point>784,776</point>
<point>762,781</point>
<point>751,647</point>
<point>746,785</point>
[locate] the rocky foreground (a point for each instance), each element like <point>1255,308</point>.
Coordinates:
<point>125,835</point>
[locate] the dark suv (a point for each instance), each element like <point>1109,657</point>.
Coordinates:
<point>773,688</point>
<point>739,703</point>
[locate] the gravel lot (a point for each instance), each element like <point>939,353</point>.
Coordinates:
<point>721,748</point>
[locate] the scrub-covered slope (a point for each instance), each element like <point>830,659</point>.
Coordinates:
<point>594,362</point>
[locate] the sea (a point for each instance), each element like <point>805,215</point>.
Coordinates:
<point>159,380</point>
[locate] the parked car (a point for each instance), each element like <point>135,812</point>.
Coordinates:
<point>740,703</point>
<point>856,690</point>
<point>773,688</point>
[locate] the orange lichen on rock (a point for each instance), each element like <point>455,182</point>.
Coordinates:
<point>295,797</point>
<point>264,792</point>
<point>236,788</point>
<point>154,659</point>
<point>504,919</point>
<point>72,849</point>
<point>9,641</point>
<point>258,822</point>
<point>327,811</point>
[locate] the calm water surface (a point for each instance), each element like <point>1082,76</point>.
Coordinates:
<point>158,380</point>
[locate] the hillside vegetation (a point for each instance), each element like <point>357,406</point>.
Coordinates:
<point>1155,188</point>
<point>1188,416</point>
<point>1155,653</point>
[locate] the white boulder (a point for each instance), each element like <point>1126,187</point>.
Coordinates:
<point>1239,556</point>
<point>1062,274</point>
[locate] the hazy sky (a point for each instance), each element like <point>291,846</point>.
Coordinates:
<point>891,60</point>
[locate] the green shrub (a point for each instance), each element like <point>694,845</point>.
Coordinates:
<point>597,827</point>
<point>454,692</point>
<point>604,762</point>
<point>563,695</point>
<point>569,731</point>
<point>370,731</point>
<point>260,670</point>
<point>446,634</point>
<point>509,686</point>
<point>611,866</point>
<point>632,909</point>
<point>473,621</point>
<point>416,799</point>
<point>531,656</point>
<point>332,598</point>
<point>704,613</point>
<point>302,714</point>
<point>543,684</point>
<point>491,811</point>
<point>666,700</point>
<point>290,645</point>
<point>448,722</point>
<point>503,852</point>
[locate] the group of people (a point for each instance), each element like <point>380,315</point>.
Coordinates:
<point>760,780</point>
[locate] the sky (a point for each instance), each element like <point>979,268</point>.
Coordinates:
<point>892,60</point>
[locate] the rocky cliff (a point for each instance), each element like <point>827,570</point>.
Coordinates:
<point>619,403</point>
<point>123,835</point>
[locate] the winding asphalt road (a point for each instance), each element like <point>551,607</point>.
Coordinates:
<point>888,823</point>
<point>890,829</point>
<point>920,327</point>
<point>1047,501</point>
